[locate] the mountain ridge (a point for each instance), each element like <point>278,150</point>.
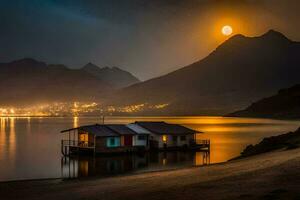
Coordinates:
<point>28,81</point>
<point>111,74</point>
<point>240,70</point>
<point>283,105</point>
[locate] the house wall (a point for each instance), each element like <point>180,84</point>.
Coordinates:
<point>154,137</point>
<point>140,142</point>
<point>100,144</point>
<point>187,140</point>
<point>91,139</point>
<point>126,140</point>
<point>170,141</point>
<point>103,145</point>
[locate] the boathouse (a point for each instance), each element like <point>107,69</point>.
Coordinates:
<point>112,138</point>
<point>141,138</point>
<point>98,139</point>
<point>126,134</point>
<point>164,135</point>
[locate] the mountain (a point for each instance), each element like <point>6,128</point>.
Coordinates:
<point>287,141</point>
<point>114,76</point>
<point>28,81</point>
<point>284,105</point>
<point>240,71</point>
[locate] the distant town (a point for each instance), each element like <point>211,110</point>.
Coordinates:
<point>74,109</point>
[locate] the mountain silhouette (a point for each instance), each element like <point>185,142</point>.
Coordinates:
<point>27,81</point>
<point>284,105</point>
<point>240,71</point>
<point>114,76</point>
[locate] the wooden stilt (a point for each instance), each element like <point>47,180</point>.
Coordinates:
<point>74,132</point>
<point>94,145</point>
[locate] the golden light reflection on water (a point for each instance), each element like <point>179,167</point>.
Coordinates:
<point>2,124</point>
<point>12,137</point>
<point>83,167</point>
<point>28,125</point>
<point>228,137</point>
<point>7,138</point>
<point>75,121</point>
<point>198,159</point>
<point>2,137</point>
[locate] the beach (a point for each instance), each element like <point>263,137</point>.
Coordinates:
<point>274,175</point>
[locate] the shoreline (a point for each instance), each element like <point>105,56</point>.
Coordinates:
<point>151,116</point>
<point>109,176</point>
<point>241,178</point>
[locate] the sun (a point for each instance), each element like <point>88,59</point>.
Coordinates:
<point>227,30</point>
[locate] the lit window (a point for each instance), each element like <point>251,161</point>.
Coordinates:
<point>84,138</point>
<point>164,138</point>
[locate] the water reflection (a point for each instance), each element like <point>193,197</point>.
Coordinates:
<point>12,138</point>
<point>30,147</point>
<point>80,167</point>
<point>75,122</point>
<point>2,138</point>
<point>7,138</point>
<point>28,123</point>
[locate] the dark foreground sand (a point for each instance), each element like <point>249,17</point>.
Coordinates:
<point>273,175</point>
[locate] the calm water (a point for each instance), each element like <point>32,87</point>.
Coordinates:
<point>30,147</point>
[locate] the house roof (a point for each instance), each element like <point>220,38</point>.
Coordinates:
<point>138,129</point>
<point>96,129</point>
<point>165,128</point>
<point>121,129</point>
<point>106,130</point>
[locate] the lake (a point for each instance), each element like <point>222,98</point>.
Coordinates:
<point>30,146</point>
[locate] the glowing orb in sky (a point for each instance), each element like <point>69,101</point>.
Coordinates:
<point>227,30</point>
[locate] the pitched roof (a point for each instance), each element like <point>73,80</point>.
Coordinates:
<point>96,129</point>
<point>121,129</point>
<point>138,129</point>
<point>106,130</point>
<point>165,128</point>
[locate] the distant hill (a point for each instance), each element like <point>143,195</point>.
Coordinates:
<point>28,81</point>
<point>114,76</point>
<point>285,141</point>
<point>284,105</point>
<point>240,71</point>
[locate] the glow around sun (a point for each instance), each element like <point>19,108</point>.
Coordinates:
<point>227,30</point>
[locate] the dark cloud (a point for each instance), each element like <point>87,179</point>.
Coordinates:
<point>146,37</point>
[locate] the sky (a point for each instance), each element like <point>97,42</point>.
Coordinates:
<point>148,38</point>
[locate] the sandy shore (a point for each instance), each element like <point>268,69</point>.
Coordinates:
<point>273,175</point>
